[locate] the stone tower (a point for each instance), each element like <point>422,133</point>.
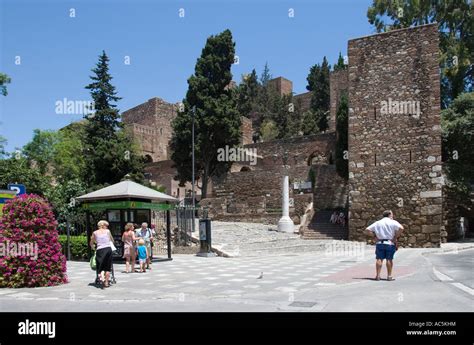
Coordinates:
<point>395,134</point>
<point>150,123</point>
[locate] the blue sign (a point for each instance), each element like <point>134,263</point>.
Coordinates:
<point>19,189</point>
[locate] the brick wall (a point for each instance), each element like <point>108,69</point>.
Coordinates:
<point>246,131</point>
<point>302,151</point>
<point>253,195</point>
<point>163,173</point>
<point>395,156</point>
<point>303,100</point>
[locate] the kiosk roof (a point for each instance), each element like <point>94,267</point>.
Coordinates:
<point>127,189</point>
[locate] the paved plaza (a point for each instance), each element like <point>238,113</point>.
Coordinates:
<point>236,239</point>
<point>321,281</point>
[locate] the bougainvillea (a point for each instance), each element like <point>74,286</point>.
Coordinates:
<point>30,252</point>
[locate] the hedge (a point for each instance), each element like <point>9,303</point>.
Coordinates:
<point>78,246</point>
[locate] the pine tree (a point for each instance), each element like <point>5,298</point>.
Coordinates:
<point>109,152</point>
<point>247,93</point>
<point>266,76</point>
<point>318,84</point>
<point>342,125</point>
<point>340,63</point>
<point>217,120</point>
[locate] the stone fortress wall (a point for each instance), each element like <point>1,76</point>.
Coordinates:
<point>392,83</point>
<point>394,147</point>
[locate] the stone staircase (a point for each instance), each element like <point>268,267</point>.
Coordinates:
<point>321,228</point>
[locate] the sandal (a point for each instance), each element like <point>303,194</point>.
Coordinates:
<point>390,278</point>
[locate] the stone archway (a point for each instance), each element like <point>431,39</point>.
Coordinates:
<point>318,157</point>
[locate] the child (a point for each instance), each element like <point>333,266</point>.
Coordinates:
<point>142,255</point>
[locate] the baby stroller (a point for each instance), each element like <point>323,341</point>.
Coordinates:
<point>112,275</point>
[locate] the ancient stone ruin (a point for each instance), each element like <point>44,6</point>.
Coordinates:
<point>393,85</point>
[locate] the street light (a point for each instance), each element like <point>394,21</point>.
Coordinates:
<point>193,116</point>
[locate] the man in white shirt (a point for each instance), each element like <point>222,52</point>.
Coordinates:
<point>385,232</point>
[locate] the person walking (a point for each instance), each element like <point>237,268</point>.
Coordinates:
<point>128,239</point>
<point>103,240</point>
<point>385,232</point>
<point>146,234</point>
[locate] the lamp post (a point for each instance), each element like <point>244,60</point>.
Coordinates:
<point>193,197</point>
<point>285,224</point>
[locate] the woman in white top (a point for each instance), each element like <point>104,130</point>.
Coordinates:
<point>103,255</point>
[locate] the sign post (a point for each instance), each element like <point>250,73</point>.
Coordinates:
<point>19,189</point>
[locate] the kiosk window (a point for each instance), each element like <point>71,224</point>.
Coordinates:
<point>114,216</point>
<point>143,216</point>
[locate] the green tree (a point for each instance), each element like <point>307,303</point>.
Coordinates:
<point>4,80</point>
<point>266,76</point>
<point>342,126</point>
<point>340,65</point>
<point>309,125</point>
<point>40,151</point>
<point>217,120</point>
<point>455,26</point>
<point>62,198</point>
<point>17,169</point>
<point>247,93</point>
<point>109,152</point>
<point>269,130</point>
<point>3,143</point>
<point>318,84</point>
<point>457,123</point>
<point>68,160</point>
<point>284,113</point>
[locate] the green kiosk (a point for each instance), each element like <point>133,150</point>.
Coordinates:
<point>125,202</point>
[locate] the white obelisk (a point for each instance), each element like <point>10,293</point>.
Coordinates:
<point>285,224</point>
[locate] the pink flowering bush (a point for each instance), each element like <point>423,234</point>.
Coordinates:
<point>28,221</point>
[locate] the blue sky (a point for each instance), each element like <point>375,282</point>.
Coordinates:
<point>57,51</point>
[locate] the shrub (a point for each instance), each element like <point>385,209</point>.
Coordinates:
<point>28,219</point>
<point>79,248</point>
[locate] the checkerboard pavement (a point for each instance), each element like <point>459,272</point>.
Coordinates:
<point>188,277</point>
